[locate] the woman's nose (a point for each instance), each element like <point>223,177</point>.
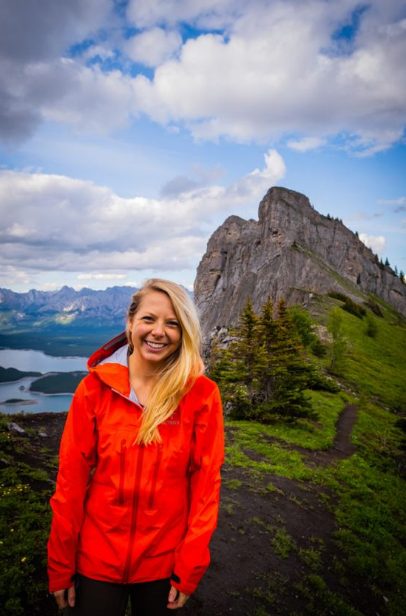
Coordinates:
<point>158,329</point>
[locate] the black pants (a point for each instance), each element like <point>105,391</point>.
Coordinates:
<point>94,598</point>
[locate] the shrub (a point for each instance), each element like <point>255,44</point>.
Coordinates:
<point>371,327</point>
<point>374,307</point>
<point>348,304</point>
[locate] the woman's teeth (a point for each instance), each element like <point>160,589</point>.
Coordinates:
<point>155,345</point>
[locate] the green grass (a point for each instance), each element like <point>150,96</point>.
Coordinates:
<point>367,495</point>
<point>249,449</point>
<point>312,435</point>
<point>375,367</point>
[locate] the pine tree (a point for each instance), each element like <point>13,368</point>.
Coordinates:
<point>245,347</point>
<point>291,372</point>
<point>267,336</point>
<point>263,373</point>
<point>236,368</point>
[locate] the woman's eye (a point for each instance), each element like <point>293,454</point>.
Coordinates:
<point>147,319</point>
<point>173,324</point>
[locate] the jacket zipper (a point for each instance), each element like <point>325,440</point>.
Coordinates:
<point>122,473</point>
<point>134,511</point>
<point>151,500</point>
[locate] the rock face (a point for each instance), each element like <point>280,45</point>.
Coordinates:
<point>292,251</point>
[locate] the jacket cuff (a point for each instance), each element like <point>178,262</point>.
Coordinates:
<point>184,587</point>
<point>60,582</point>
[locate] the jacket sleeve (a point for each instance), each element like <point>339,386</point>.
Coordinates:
<point>76,458</point>
<point>192,555</point>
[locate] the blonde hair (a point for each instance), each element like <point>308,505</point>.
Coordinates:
<point>181,368</point>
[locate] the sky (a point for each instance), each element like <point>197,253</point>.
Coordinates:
<point>131,129</point>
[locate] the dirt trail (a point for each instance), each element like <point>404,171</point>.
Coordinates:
<point>342,446</point>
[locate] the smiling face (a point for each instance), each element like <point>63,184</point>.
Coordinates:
<point>154,330</point>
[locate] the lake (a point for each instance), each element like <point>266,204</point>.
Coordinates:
<point>30,360</point>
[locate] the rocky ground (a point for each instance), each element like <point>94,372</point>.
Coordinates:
<point>272,546</point>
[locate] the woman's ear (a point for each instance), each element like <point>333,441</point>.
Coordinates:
<point>128,328</point>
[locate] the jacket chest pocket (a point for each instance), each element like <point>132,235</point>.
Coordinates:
<point>154,476</point>
<point>122,460</point>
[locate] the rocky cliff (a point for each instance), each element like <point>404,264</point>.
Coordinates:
<point>292,251</point>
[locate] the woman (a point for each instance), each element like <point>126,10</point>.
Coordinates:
<point>137,493</point>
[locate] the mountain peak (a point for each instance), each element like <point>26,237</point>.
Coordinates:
<point>292,251</point>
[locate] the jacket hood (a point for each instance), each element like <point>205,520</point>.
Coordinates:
<point>110,364</point>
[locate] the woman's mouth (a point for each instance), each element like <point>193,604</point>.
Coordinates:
<point>155,346</point>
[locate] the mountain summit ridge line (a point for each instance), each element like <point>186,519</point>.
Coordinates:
<point>291,252</point>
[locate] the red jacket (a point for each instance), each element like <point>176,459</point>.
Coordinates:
<point>128,513</point>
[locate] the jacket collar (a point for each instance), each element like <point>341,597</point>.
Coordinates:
<point>110,364</point>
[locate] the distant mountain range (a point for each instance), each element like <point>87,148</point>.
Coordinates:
<point>64,322</point>
<point>66,308</point>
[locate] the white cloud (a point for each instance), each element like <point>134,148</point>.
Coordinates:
<point>258,181</point>
<point>267,70</point>
<point>306,144</point>
<point>84,97</point>
<point>56,223</point>
<point>376,243</point>
<point>154,46</point>
<point>29,35</point>
<point>278,72</point>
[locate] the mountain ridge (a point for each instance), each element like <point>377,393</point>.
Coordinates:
<point>64,306</point>
<point>291,252</point>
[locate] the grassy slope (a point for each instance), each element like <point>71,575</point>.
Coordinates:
<point>368,496</point>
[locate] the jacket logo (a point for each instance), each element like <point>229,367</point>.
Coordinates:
<point>173,420</point>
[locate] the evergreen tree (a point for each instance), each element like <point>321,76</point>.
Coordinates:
<point>290,371</point>
<point>263,373</point>
<point>245,347</point>
<point>303,325</point>
<point>267,337</point>
<point>236,368</point>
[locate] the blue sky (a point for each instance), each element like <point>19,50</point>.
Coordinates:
<point>130,130</point>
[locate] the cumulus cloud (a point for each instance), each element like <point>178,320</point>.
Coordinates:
<point>31,32</point>
<point>263,70</point>
<point>376,243</point>
<point>154,46</point>
<point>51,222</point>
<point>30,35</point>
<point>253,84</point>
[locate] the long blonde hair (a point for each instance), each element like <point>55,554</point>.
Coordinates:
<point>181,368</point>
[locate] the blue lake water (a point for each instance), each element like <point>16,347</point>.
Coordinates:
<point>30,360</point>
